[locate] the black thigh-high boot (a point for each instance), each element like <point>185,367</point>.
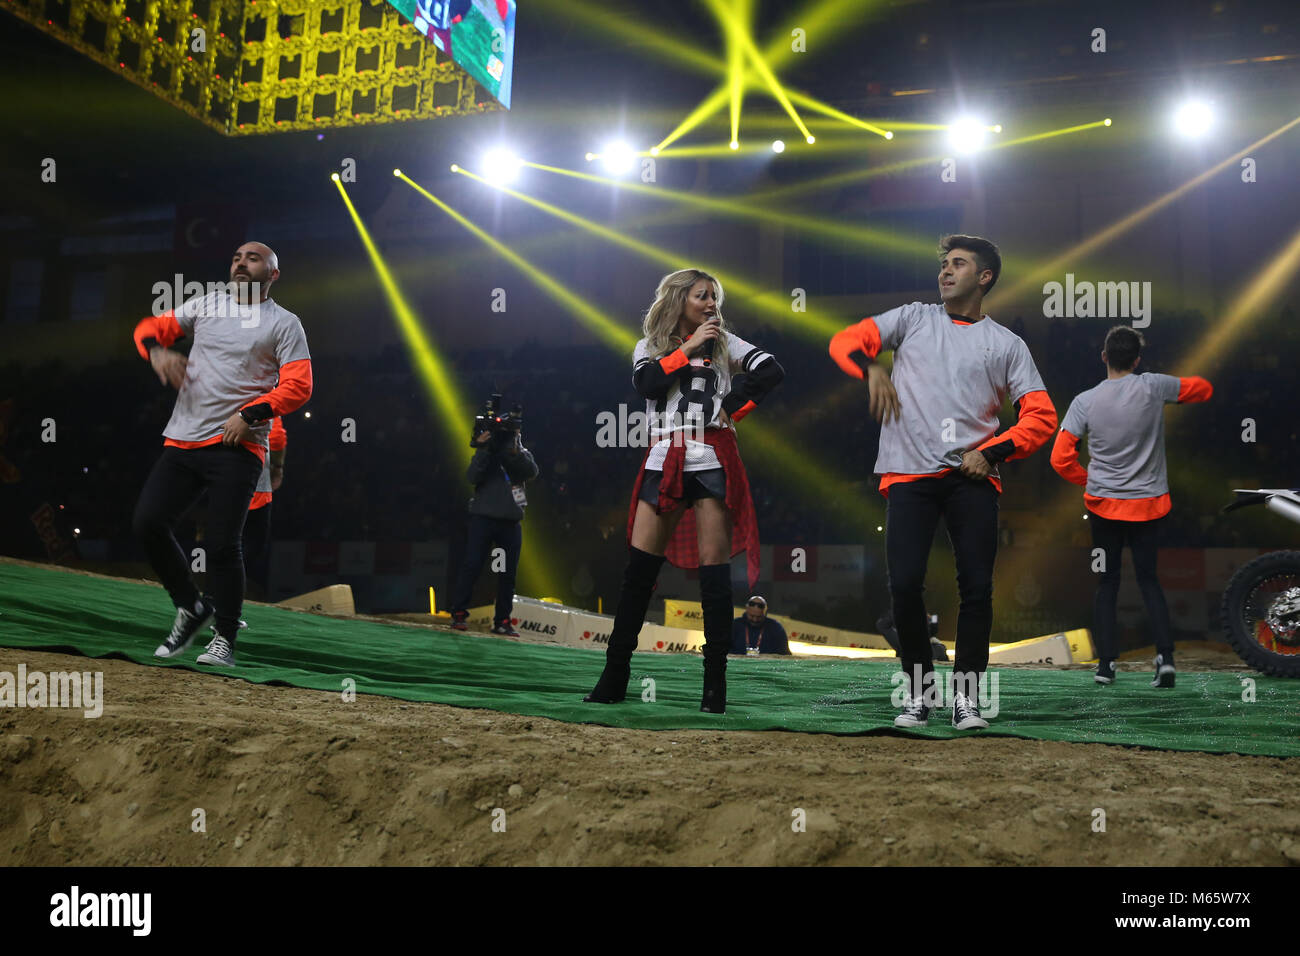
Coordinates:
<point>633,602</point>
<point>715,596</point>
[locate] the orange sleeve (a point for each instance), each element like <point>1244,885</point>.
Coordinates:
<point>292,392</point>
<point>673,361</point>
<point>163,327</point>
<point>1065,458</point>
<point>1194,389</point>
<point>863,337</point>
<point>1036,422</point>
<point>279,437</point>
<point>742,411</point>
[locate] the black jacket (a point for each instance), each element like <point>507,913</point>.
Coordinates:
<point>494,475</point>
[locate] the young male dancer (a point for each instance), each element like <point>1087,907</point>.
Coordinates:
<point>249,363</point>
<point>939,452</point>
<point>1126,486</point>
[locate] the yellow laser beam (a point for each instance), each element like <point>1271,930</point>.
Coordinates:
<point>448,402</point>
<point>859,235</point>
<point>611,333</point>
<point>814,324</point>
<point>1123,225</point>
<point>738,33</point>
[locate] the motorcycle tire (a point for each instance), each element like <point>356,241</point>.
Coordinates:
<point>1239,629</point>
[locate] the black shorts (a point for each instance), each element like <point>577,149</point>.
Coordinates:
<point>695,485</point>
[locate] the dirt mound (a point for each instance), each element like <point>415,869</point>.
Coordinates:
<point>285,776</point>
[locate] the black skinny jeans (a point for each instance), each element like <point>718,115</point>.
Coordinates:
<point>969,508</point>
<point>178,477</point>
<point>1141,537</point>
<point>484,532</point>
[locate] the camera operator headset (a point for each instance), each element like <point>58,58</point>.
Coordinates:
<point>498,470</point>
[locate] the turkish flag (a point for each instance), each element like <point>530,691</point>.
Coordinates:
<point>208,232</point>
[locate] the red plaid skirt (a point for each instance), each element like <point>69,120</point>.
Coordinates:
<point>683,549</point>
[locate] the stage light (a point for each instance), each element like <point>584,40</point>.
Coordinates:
<point>397,172</point>
<point>1193,119</point>
<point>500,167</point>
<point>888,134</point>
<point>618,158</point>
<point>654,150</point>
<point>591,156</point>
<point>811,139</point>
<point>735,145</point>
<point>1106,121</point>
<point>778,146</point>
<point>455,168</point>
<point>966,135</point>
<point>334,176</point>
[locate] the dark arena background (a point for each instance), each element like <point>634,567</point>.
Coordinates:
<point>469,199</point>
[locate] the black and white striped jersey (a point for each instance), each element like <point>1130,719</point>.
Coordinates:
<point>683,396</point>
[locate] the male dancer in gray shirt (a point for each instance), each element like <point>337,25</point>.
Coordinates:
<point>249,363</point>
<point>939,452</point>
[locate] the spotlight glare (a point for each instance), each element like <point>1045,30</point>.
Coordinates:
<point>455,168</point>
<point>1106,121</point>
<point>654,150</point>
<point>618,158</point>
<point>501,167</point>
<point>778,146</point>
<point>735,145</point>
<point>889,134</point>
<point>590,157</point>
<point>811,139</point>
<point>966,135</point>
<point>397,172</point>
<point>998,128</point>
<point>334,177</point>
<point>1193,119</point>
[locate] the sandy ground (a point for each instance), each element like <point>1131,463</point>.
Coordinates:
<point>287,776</point>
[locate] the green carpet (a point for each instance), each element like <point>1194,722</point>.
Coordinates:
<point>52,610</point>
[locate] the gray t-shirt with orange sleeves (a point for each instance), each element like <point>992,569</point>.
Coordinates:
<point>1125,424</point>
<point>951,381</point>
<point>236,357</point>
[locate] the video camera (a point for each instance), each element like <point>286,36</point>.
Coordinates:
<point>491,419</point>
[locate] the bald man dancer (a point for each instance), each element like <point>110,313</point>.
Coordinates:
<point>248,363</point>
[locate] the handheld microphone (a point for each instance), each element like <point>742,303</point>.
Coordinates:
<point>707,351</point>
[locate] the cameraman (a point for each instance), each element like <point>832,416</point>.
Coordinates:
<point>498,470</point>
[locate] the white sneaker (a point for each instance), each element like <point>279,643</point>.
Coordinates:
<point>965,715</point>
<point>915,713</point>
<point>219,652</point>
<point>184,630</point>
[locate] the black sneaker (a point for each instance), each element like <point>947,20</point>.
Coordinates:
<point>458,619</point>
<point>915,713</point>
<point>503,628</point>
<point>186,626</point>
<point>1105,672</point>
<point>965,715</point>
<point>220,652</point>
<point>1164,672</point>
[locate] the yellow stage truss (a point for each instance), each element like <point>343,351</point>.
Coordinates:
<point>263,66</point>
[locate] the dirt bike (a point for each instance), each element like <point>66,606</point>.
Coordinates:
<point>1261,605</point>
